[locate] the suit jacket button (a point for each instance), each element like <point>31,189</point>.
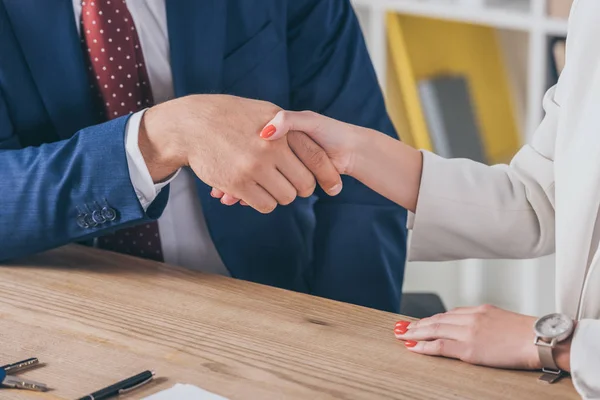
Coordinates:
<point>82,221</point>
<point>109,213</point>
<point>98,217</point>
<point>90,221</point>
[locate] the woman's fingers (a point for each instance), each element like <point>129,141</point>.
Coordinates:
<point>445,318</point>
<point>439,348</point>
<point>286,121</point>
<point>464,310</point>
<point>432,332</point>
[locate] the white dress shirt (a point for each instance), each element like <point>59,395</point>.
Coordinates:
<point>183,231</point>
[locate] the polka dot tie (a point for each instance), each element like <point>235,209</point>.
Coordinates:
<point>118,74</point>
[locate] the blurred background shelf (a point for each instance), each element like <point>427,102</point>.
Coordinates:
<point>506,14</point>
<point>522,32</point>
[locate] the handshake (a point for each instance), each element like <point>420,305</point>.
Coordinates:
<point>230,145</point>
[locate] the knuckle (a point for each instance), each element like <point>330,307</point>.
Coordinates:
<point>469,355</point>
<point>284,116</point>
<point>438,346</point>
<point>251,167</point>
<point>435,328</point>
<point>288,198</point>
<point>486,308</point>
<point>476,319</point>
<point>317,156</point>
<point>471,333</point>
<point>308,113</point>
<point>306,189</point>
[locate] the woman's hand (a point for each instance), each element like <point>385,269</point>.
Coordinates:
<point>338,139</point>
<point>483,335</point>
<point>384,164</point>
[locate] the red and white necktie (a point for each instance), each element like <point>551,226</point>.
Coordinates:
<point>118,73</point>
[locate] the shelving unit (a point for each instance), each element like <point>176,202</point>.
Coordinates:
<point>529,28</point>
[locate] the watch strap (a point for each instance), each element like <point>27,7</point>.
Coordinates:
<point>546,354</point>
<point>551,372</point>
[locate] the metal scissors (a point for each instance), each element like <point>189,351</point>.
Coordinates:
<point>11,381</point>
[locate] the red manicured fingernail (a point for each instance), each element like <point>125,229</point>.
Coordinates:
<point>410,343</point>
<point>268,131</point>
<point>400,329</point>
<point>402,322</point>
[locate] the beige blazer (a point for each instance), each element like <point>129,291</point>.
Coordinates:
<point>547,200</point>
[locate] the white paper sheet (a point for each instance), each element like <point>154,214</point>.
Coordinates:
<point>184,392</point>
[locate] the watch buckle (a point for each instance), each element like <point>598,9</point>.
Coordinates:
<point>551,375</point>
<point>539,341</point>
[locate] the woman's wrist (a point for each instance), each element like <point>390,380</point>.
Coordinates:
<point>562,353</point>
<point>388,166</point>
<point>359,142</point>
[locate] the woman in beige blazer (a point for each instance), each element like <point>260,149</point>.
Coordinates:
<point>547,200</point>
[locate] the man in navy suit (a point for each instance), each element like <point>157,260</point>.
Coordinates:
<point>84,159</point>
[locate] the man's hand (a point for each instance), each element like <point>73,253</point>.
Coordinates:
<point>218,137</point>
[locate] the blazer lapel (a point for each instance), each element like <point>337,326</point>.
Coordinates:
<point>48,37</point>
<point>196,37</point>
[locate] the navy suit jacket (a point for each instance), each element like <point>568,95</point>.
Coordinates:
<point>57,157</point>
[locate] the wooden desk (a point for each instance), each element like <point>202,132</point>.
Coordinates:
<point>95,318</point>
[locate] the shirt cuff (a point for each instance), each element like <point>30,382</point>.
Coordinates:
<point>145,188</point>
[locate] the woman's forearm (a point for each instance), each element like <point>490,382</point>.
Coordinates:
<point>388,166</point>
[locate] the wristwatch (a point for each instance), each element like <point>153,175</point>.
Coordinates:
<point>549,331</point>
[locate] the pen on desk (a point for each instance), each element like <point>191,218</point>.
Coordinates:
<point>121,387</point>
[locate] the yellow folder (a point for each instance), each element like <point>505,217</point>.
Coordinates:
<point>421,48</point>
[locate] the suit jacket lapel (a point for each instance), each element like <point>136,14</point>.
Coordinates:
<point>196,37</point>
<point>48,37</point>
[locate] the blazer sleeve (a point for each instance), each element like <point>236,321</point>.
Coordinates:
<point>360,238</point>
<point>585,358</point>
<point>469,210</point>
<point>46,189</point>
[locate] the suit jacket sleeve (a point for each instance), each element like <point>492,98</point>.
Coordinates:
<point>470,210</point>
<point>44,189</point>
<point>360,242</point>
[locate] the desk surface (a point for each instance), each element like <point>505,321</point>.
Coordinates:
<point>95,318</point>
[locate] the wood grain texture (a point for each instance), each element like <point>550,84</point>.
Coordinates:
<point>94,318</point>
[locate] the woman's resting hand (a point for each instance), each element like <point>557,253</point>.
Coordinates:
<point>484,335</point>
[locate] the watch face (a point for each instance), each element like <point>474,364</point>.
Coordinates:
<point>553,326</point>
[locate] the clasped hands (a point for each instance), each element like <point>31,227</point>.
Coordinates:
<point>218,137</point>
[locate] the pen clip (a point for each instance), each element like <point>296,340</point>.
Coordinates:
<point>129,389</point>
